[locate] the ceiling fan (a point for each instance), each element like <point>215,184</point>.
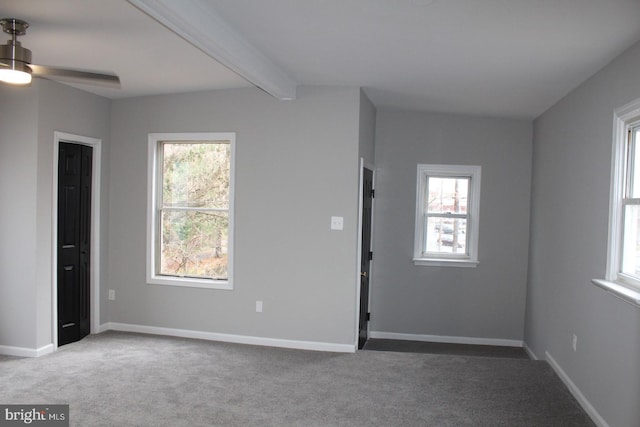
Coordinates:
<point>16,67</point>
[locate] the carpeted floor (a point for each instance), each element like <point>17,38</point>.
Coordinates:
<point>120,379</point>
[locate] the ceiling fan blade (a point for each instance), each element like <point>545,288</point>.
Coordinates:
<point>76,76</point>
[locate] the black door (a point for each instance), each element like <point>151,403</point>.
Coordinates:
<point>74,238</point>
<point>365,262</point>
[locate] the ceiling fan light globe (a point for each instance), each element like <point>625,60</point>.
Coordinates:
<point>15,77</point>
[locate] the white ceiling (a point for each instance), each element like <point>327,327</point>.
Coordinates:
<point>512,58</point>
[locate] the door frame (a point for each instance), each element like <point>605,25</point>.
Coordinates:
<point>363,165</point>
<point>94,287</point>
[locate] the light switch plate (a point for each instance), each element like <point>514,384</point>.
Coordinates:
<point>337,223</point>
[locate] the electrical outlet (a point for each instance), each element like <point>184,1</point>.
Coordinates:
<point>112,295</point>
<point>337,223</point>
<point>574,342</point>
<point>258,306</point>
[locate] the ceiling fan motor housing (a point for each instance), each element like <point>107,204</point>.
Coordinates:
<point>12,54</point>
<point>13,51</point>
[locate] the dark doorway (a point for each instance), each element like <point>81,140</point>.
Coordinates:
<point>74,241</point>
<point>367,255</point>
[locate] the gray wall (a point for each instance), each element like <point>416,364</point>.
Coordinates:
<point>18,189</point>
<point>29,116</point>
<point>483,302</point>
<point>296,166</point>
<point>570,208</point>
<point>366,146</point>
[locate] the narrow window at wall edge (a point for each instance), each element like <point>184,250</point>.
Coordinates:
<point>623,264</point>
<point>622,276</point>
<point>629,263</point>
<point>447,215</point>
<point>190,209</point>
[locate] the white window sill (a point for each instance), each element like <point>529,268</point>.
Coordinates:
<point>189,282</point>
<point>625,293</point>
<point>442,262</point>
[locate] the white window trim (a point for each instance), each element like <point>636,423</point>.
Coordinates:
<point>448,260</point>
<point>153,186</point>
<point>614,283</point>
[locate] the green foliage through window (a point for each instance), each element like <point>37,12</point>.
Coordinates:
<point>194,205</point>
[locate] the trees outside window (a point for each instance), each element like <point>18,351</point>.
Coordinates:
<point>191,209</point>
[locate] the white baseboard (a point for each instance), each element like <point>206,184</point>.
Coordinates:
<point>529,352</point>
<point>8,350</point>
<point>575,391</point>
<point>237,339</point>
<point>103,328</point>
<point>446,339</point>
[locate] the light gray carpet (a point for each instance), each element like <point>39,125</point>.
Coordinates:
<point>120,379</point>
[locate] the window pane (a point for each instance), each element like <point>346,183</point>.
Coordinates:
<point>196,175</point>
<point>447,194</point>
<point>446,235</point>
<point>634,166</point>
<point>194,244</point>
<point>631,241</point>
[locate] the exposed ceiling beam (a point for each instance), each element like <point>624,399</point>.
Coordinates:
<point>197,22</point>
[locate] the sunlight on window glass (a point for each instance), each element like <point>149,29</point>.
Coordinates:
<point>447,195</point>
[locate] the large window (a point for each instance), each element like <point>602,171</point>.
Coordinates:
<point>447,215</point>
<point>190,209</point>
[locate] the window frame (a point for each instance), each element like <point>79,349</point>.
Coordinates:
<point>155,140</point>
<point>470,259</point>
<point>625,120</point>
<point>627,199</point>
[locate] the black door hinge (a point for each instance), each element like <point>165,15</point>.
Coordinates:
<point>373,193</point>
<point>370,256</point>
<point>368,316</point>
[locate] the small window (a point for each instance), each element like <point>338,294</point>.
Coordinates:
<point>447,214</point>
<point>190,209</point>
